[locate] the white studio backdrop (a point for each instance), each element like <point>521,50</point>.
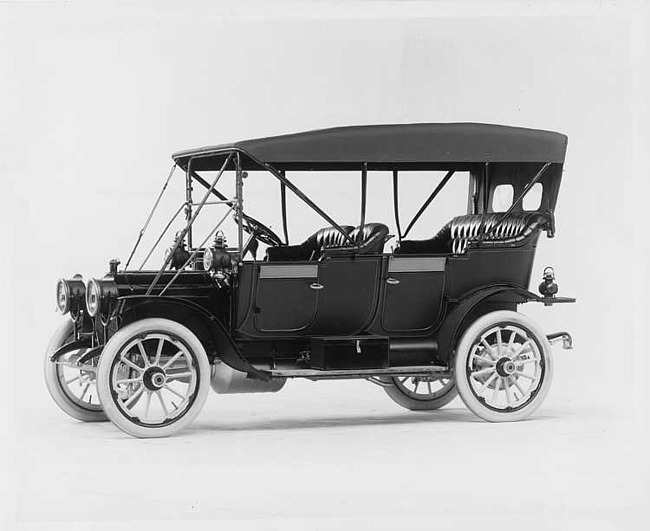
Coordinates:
<point>96,96</point>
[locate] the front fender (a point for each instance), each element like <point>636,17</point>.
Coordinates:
<point>135,307</point>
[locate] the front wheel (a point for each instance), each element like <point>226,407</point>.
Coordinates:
<point>503,367</point>
<point>71,386</point>
<point>153,378</point>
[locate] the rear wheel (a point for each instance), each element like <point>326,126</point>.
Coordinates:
<point>503,367</point>
<point>153,378</point>
<point>72,387</point>
<point>421,393</point>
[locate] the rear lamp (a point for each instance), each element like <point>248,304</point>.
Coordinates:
<point>70,295</point>
<point>100,294</point>
<point>548,287</point>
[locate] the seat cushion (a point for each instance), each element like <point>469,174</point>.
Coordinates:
<point>439,244</point>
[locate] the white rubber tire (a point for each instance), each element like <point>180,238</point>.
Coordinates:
<point>415,404</point>
<point>469,338</point>
<point>60,338</point>
<point>114,347</point>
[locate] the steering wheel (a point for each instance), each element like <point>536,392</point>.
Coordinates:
<point>261,232</point>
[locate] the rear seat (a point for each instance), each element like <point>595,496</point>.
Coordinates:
<point>456,235</point>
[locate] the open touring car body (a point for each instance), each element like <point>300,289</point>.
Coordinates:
<point>340,304</point>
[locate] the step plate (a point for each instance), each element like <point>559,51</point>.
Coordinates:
<point>358,373</point>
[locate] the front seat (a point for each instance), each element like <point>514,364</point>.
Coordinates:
<point>330,242</point>
<point>373,237</point>
<point>312,248</point>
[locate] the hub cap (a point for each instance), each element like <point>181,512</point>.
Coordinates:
<point>154,378</point>
<point>505,367</point>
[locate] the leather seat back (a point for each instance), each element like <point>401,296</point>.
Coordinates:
<point>326,239</point>
<point>373,238</point>
<point>514,229</point>
<point>330,241</point>
<point>456,235</point>
<point>312,248</point>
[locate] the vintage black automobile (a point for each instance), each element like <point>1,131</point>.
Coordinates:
<point>427,320</point>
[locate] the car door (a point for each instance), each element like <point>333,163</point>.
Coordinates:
<point>277,298</point>
<point>348,292</point>
<point>412,293</point>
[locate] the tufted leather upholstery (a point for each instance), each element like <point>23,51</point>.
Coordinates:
<point>326,238</point>
<point>372,241</point>
<point>329,241</point>
<point>312,247</point>
<point>456,235</point>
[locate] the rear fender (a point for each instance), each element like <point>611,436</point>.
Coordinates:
<point>202,323</point>
<point>456,321</point>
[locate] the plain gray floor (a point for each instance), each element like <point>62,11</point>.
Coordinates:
<point>333,455</point>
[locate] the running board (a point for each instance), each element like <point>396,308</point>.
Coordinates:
<point>315,374</point>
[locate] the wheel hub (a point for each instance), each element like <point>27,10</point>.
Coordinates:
<point>505,367</point>
<point>154,378</point>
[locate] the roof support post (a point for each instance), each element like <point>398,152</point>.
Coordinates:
<point>396,205</point>
<point>240,205</point>
<point>486,186</point>
<point>188,201</point>
<point>283,200</point>
<point>364,189</point>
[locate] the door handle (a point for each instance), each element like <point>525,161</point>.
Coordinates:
<point>391,280</point>
<point>316,285</point>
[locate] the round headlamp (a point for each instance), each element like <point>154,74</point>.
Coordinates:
<point>70,295</point>
<point>99,296</point>
<point>62,296</point>
<point>93,297</point>
<point>208,260</point>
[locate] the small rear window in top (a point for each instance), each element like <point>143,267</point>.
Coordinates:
<point>533,199</point>
<point>502,197</point>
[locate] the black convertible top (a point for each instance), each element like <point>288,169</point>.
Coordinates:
<point>388,146</point>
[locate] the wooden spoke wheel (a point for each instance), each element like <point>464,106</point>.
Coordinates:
<point>72,387</point>
<point>153,378</point>
<point>503,367</point>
